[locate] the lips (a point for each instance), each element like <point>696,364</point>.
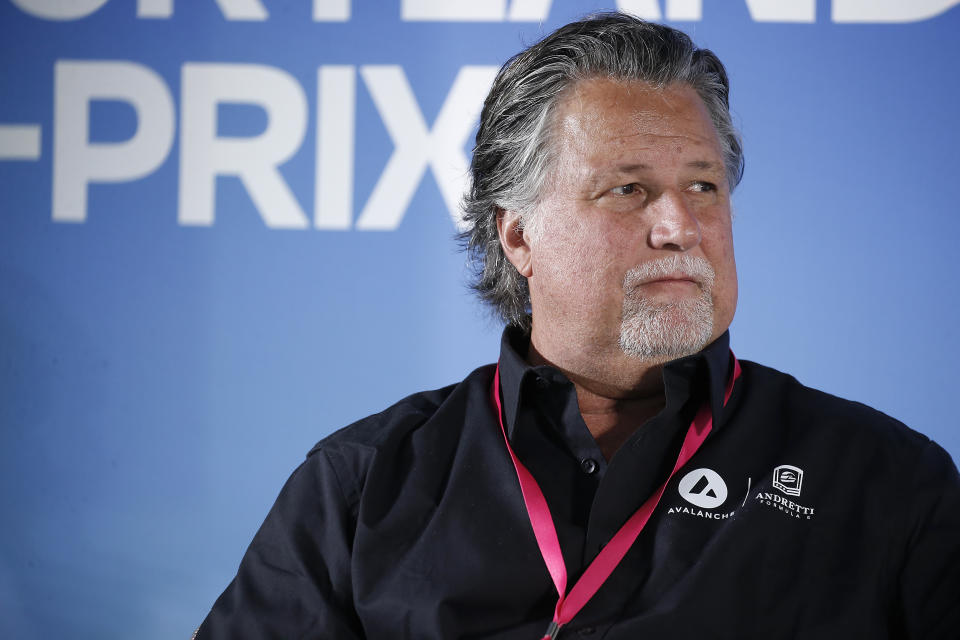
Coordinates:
<point>674,277</point>
<point>671,269</point>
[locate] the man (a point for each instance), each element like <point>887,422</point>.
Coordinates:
<point>618,474</point>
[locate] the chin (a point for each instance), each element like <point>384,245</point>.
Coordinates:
<point>666,333</point>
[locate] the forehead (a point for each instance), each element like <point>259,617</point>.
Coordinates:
<point>599,118</point>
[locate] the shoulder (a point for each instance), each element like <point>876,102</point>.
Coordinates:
<point>863,452</point>
<point>851,454</point>
<point>409,414</point>
<point>882,495</point>
<point>821,415</point>
<point>422,423</point>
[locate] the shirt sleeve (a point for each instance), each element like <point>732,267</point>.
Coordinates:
<point>294,581</point>
<point>930,579</point>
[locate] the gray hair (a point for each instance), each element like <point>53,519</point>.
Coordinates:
<point>513,152</point>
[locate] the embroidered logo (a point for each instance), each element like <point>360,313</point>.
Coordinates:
<point>788,479</point>
<point>703,488</point>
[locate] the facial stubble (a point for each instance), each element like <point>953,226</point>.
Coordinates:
<point>666,330</point>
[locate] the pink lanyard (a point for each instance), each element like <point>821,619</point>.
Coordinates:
<point>569,604</point>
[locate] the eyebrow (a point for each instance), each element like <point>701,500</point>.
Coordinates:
<point>702,164</point>
<point>639,166</point>
<point>630,168</point>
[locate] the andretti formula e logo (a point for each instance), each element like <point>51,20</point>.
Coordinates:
<point>788,479</point>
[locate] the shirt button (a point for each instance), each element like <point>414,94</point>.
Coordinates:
<point>587,631</point>
<point>589,466</point>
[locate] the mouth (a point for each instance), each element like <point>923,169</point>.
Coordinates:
<point>673,278</point>
<point>671,275</point>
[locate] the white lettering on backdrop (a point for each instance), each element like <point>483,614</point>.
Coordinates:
<point>521,10</point>
<point>415,147</point>
<point>76,161</point>
<point>232,9</point>
<point>889,10</point>
<point>255,160</point>
<point>336,128</point>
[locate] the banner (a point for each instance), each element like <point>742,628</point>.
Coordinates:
<point>228,229</point>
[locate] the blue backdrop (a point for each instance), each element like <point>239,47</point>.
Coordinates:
<point>226,229</point>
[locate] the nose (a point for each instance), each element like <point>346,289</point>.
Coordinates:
<point>675,227</point>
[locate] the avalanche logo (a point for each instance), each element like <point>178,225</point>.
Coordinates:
<point>703,488</point>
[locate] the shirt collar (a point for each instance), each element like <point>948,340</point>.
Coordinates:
<point>712,364</point>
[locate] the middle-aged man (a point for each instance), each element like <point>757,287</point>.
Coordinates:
<point>619,474</point>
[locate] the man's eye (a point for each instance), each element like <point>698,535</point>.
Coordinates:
<point>703,187</point>
<point>625,190</point>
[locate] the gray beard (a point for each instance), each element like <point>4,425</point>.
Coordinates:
<point>664,331</point>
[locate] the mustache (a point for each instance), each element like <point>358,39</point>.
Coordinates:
<point>693,267</point>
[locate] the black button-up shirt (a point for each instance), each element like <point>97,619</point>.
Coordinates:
<point>802,516</point>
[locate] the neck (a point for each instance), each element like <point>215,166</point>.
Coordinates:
<point>614,403</point>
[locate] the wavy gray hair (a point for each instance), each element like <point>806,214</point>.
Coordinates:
<point>513,147</point>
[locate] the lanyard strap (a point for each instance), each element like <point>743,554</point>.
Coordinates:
<point>569,604</point>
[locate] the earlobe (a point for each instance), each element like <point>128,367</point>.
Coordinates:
<point>514,242</point>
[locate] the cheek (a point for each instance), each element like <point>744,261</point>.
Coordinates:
<point>725,290</point>
<point>575,259</point>
<point>728,292</point>
<point>580,256</point>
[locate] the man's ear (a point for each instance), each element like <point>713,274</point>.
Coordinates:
<point>514,242</point>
